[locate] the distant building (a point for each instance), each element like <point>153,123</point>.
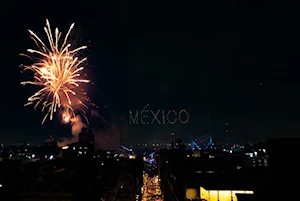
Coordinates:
<point>50,149</point>
<point>86,142</point>
<point>70,152</point>
<point>255,155</point>
<point>84,146</point>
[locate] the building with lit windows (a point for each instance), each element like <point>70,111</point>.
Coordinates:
<point>86,142</point>
<point>221,187</point>
<point>70,151</point>
<point>50,149</point>
<point>215,194</point>
<point>221,194</point>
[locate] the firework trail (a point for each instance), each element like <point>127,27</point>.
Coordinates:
<point>56,71</point>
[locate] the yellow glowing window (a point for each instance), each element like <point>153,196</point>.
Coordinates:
<point>221,195</point>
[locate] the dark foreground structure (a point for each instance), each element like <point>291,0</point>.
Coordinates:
<point>85,178</point>
<point>285,169</point>
<point>215,177</point>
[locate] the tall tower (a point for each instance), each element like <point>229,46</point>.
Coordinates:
<point>172,144</point>
<point>86,141</point>
<point>226,133</point>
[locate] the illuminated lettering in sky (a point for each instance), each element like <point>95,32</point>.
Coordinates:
<point>160,117</point>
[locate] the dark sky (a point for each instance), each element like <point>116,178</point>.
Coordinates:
<point>239,58</point>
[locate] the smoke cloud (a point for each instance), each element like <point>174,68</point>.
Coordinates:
<point>77,125</point>
<point>106,130</point>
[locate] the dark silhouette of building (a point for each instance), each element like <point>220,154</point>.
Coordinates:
<point>70,152</point>
<point>284,165</point>
<point>86,142</point>
<point>50,148</point>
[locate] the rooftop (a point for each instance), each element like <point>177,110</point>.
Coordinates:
<point>238,180</point>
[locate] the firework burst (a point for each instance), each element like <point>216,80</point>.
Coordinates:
<point>57,72</point>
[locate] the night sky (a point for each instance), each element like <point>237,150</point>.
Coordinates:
<point>237,59</point>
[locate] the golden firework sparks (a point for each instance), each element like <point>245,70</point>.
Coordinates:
<point>57,71</point>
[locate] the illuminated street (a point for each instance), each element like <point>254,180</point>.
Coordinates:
<point>151,189</point>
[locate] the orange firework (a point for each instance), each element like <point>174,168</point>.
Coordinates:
<point>57,71</point>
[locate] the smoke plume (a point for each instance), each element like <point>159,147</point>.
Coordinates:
<point>105,126</point>
<point>77,125</point>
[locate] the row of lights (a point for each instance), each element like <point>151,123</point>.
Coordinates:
<point>141,116</point>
